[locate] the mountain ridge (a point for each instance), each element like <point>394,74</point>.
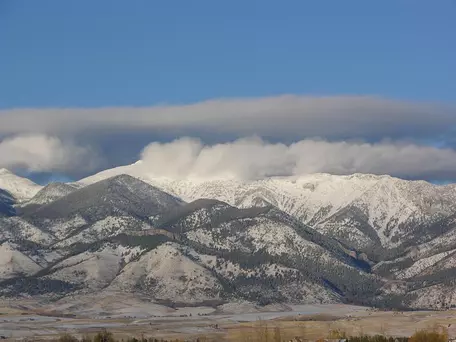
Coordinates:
<point>20,188</point>
<point>364,239</point>
<point>316,198</point>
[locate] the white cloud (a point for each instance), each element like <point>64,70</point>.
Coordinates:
<point>42,135</point>
<point>254,158</point>
<point>281,116</point>
<point>41,153</point>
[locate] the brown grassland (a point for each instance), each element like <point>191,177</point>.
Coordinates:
<point>264,332</point>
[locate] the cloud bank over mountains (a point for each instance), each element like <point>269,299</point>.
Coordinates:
<point>253,158</point>
<point>42,153</point>
<point>340,134</point>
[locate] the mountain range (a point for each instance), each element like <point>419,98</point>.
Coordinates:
<point>361,239</point>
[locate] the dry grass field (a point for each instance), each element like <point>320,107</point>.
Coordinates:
<point>38,325</point>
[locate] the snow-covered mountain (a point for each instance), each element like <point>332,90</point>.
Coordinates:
<point>361,210</point>
<point>118,195</point>
<point>363,239</point>
<point>46,195</point>
<point>50,193</point>
<point>20,188</point>
<point>186,260</point>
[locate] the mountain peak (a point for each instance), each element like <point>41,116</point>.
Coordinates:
<point>117,195</point>
<point>4,171</point>
<point>124,178</point>
<point>368,176</point>
<point>21,188</point>
<point>51,192</point>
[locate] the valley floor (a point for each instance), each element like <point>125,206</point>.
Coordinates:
<point>126,317</point>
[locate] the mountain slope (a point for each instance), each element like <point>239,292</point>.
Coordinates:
<point>258,236</point>
<point>13,263</point>
<point>6,204</point>
<point>20,188</point>
<point>168,274</point>
<point>17,229</point>
<point>117,196</point>
<point>51,192</point>
<point>91,269</point>
<point>103,229</point>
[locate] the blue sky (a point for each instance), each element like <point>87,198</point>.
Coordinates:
<point>87,85</point>
<point>137,53</point>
